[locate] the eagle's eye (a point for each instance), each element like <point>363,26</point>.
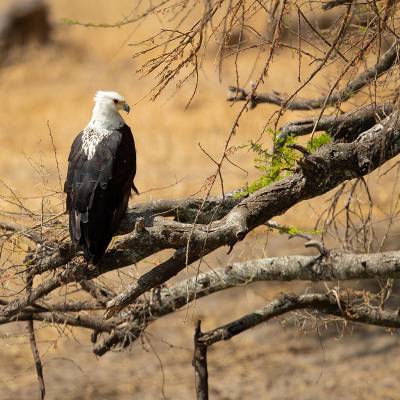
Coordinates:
<point>115,101</point>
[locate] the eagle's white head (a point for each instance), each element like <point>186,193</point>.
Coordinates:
<point>105,113</point>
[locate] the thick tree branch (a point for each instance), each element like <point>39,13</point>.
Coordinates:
<point>336,266</point>
<point>344,127</point>
<point>183,210</point>
<point>318,173</point>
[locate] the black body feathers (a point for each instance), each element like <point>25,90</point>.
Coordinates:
<point>98,185</point>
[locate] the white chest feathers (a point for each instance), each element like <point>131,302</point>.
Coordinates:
<point>91,138</point>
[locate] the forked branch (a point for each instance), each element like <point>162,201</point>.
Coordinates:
<point>324,303</point>
<point>386,62</point>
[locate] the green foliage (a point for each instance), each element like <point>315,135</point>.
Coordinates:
<point>273,165</point>
<point>317,141</point>
<point>68,21</point>
<point>279,164</point>
<point>293,230</point>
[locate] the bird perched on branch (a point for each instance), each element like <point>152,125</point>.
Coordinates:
<point>102,165</point>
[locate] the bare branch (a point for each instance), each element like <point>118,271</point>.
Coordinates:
<point>199,363</point>
<point>334,3</point>
<point>20,230</point>
<point>80,320</point>
<point>101,294</point>
<point>36,358</point>
<point>385,63</point>
<point>325,303</point>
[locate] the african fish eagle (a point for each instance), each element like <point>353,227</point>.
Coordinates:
<point>101,168</point>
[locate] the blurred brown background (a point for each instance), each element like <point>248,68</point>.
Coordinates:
<point>56,83</point>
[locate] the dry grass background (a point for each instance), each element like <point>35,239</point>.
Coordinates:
<point>56,84</point>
